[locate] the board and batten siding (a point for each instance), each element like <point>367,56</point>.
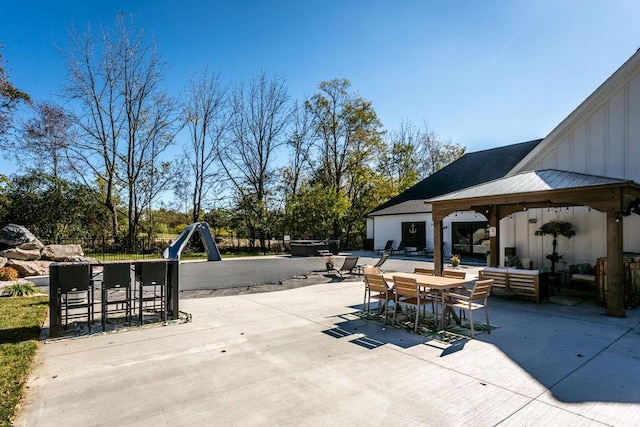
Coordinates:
<point>601,137</point>
<point>587,245</point>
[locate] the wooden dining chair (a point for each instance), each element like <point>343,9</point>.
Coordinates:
<point>427,292</point>
<point>376,287</point>
<point>475,299</point>
<point>408,292</point>
<point>371,270</point>
<point>454,274</point>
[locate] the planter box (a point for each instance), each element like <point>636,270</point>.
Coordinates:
<point>631,269</point>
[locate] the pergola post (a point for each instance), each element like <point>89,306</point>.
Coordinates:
<point>494,241</point>
<point>615,266</point>
<point>438,248</point>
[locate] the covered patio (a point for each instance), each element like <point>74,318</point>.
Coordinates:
<point>548,188</point>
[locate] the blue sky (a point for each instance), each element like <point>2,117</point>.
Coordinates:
<point>480,73</point>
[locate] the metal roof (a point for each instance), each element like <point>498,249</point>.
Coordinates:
<point>529,182</point>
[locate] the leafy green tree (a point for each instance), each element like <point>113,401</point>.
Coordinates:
<point>314,210</point>
<point>54,209</point>
<point>220,221</point>
<point>4,199</point>
<point>169,221</point>
<point>348,141</point>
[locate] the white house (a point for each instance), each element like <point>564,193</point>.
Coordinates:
<point>586,171</point>
<point>407,219</point>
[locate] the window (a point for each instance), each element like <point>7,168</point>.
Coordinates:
<point>470,238</point>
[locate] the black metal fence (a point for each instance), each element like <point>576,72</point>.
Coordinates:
<point>109,249</point>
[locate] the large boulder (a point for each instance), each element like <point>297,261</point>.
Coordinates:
<point>17,236</point>
<point>21,254</point>
<point>30,268</point>
<point>62,252</point>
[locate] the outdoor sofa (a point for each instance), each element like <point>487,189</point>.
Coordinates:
<point>515,281</point>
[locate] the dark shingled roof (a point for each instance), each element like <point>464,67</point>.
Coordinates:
<point>470,169</point>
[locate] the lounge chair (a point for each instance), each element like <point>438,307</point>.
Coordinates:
<point>382,259</point>
<point>411,251</point>
<point>386,248</point>
<point>401,248</point>
<point>348,265</point>
<point>426,252</point>
<point>362,268</point>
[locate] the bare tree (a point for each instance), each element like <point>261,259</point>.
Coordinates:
<point>206,117</point>
<point>434,153</point>
<point>92,84</point>
<point>300,144</point>
<point>260,115</point>
<point>125,121</point>
<point>296,171</point>
<point>46,138</point>
<point>400,161</point>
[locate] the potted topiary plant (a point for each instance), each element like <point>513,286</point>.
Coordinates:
<point>328,261</point>
<point>455,260</point>
<point>556,228</point>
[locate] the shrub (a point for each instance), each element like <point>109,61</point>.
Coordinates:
<point>21,289</point>
<point>8,274</point>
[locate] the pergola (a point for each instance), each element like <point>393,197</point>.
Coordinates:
<point>547,188</point>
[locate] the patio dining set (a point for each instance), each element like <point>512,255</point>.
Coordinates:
<point>449,296</point>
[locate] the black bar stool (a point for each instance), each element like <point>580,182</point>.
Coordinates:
<point>74,292</point>
<point>116,291</point>
<point>152,288</point>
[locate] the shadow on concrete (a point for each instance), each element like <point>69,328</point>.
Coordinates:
<point>576,352</point>
<point>373,333</point>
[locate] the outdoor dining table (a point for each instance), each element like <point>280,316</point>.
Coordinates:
<point>440,285</point>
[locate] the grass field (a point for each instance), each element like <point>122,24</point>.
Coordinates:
<point>21,320</point>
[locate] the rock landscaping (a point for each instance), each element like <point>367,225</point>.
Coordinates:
<point>21,250</point>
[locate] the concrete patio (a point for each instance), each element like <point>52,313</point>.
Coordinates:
<point>300,357</point>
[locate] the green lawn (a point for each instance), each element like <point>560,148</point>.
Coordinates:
<point>20,322</point>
